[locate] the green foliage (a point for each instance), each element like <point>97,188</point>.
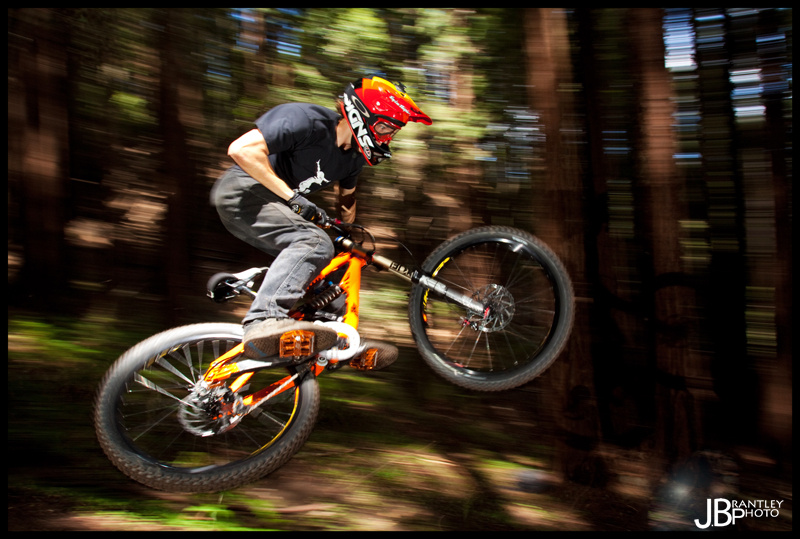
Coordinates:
<point>131,109</point>
<point>65,342</point>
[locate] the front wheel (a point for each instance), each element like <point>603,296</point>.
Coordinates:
<point>527,317</point>
<point>159,428</point>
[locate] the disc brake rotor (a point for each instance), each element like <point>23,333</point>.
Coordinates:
<point>498,312</point>
<point>208,411</point>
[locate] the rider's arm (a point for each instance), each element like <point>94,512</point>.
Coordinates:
<point>347,205</point>
<point>251,153</point>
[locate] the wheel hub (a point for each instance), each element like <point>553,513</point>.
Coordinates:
<point>208,411</point>
<point>498,310</point>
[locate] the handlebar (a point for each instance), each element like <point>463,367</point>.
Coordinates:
<point>345,238</point>
<point>329,222</point>
<point>343,228</point>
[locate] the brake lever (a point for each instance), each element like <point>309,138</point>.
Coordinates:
<point>346,230</point>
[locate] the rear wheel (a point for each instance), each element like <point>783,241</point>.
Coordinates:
<point>163,429</point>
<point>527,317</point>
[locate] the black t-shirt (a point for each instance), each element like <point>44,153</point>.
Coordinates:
<point>301,139</point>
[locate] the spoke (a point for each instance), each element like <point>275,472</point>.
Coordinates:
<point>534,297</point>
<point>535,309</point>
<point>522,294</point>
<point>152,424</point>
<point>455,339</point>
<point>268,418</point>
<point>520,272</point>
<point>523,338</point>
<point>132,415</point>
<point>150,385</point>
<point>197,373</point>
<point>489,352</point>
<point>256,443</point>
<point>162,362</point>
<point>193,433</point>
<point>165,446</point>
<point>510,347</point>
<point>474,347</point>
<point>187,360</point>
<point>467,289</point>
<point>468,286</point>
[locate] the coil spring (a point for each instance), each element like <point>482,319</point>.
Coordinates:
<point>325,297</point>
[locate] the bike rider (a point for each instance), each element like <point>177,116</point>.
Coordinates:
<point>295,150</point>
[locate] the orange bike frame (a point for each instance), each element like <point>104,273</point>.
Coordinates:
<point>226,365</point>
<point>350,283</point>
<point>354,257</point>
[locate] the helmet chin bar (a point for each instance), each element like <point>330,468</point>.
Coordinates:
<point>376,155</point>
<point>362,137</point>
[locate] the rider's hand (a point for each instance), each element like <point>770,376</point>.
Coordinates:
<point>307,209</point>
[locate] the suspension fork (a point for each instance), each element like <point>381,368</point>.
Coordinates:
<point>413,276</point>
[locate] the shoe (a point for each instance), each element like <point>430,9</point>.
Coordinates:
<point>377,355</point>
<point>286,337</point>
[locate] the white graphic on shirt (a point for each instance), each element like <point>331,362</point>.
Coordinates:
<point>319,179</point>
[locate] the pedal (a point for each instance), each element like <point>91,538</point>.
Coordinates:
<point>366,360</point>
<point>377,355</point>
<point>296,343</point>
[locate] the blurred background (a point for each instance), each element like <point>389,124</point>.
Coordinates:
<point>650,148</point>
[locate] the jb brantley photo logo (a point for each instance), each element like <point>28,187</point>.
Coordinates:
<point>722,512</point>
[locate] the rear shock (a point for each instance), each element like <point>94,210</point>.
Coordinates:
<point>324,298</point>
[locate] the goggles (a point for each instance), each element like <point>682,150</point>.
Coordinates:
<point>384,131</point>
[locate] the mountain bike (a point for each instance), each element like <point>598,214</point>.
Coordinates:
<point>186,410</point>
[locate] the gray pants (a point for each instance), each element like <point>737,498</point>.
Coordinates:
<point>255,215</point>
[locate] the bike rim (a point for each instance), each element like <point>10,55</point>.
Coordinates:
<point>157,415</point>
<point>525,304</point>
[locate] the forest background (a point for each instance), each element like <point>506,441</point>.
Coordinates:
<point>650,148</point>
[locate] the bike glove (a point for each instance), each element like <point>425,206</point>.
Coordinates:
<point>306,209</point>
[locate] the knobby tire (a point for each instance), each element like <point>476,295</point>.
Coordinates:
<point>528,323</point>
<point>147,429</point>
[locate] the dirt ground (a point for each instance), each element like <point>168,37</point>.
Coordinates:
<point>447,471</point>
<point>437,494</point>
<point>398,450</point>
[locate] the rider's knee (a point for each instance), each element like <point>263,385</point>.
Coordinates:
<point>325,248</point>
<point>320,245</point>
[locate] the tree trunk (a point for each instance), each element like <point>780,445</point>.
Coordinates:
<point>773,264</point>
<point>624,381</point>
<point>180,178</point>
<point>720,145</point>
<point>38,168</point>
<point>660,207</point>
<point>558,220</point>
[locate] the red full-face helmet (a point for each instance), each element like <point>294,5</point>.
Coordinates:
<point>376,110</point>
